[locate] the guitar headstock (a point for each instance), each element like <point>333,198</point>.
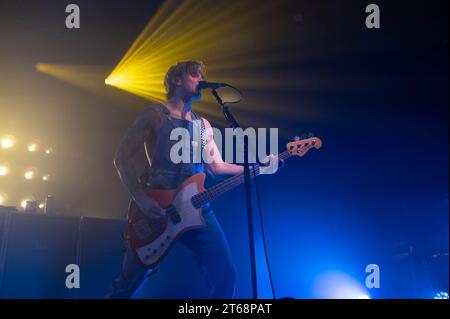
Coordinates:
<point>300,146</point>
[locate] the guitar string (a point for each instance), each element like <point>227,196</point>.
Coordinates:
<point>216,190</point>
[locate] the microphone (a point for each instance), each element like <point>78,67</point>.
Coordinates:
<point>210,85</point>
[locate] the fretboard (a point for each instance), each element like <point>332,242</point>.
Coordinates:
<point>221,188</point>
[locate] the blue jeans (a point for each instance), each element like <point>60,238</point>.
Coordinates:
<point>211,251</point>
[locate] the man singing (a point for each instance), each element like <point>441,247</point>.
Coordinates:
<point>151,130</point>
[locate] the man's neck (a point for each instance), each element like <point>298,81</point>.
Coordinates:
<point>179,107</point>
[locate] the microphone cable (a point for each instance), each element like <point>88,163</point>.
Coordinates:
<point>263,235</point>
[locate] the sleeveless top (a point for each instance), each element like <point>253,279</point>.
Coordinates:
<point>163,173</point>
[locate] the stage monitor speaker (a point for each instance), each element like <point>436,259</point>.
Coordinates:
<point>37,250</point>
<point>100,255</point>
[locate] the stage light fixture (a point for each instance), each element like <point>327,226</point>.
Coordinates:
<point>30,174</point>
<point>41,206</point>
<point>33,147</point>
<point>48,150</point>
<point>4,170</point>
<point>441,295</point>
<point>8,141</point>
<point>24,201</point>
<point>46,177</point>
<point>3,198</point>
<point>335,284</point>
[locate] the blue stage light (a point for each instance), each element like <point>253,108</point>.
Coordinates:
<point>441,295</point>
<point>338,285</point>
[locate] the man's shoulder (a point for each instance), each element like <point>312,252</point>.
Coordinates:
<point>154,108</point>
<point>151,115</point>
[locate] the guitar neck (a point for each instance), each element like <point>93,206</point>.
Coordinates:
<point>218,190</point>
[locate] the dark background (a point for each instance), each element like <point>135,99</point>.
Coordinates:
<point>380,180</point>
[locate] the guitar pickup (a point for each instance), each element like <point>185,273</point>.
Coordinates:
<point>173,214</point>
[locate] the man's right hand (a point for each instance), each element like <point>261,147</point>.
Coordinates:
<point>151,208</point>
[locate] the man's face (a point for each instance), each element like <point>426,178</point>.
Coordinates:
<point>189,84</point>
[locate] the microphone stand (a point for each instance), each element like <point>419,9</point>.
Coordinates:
<point>234,124</point>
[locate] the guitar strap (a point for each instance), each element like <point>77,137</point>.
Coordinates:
<point>202,131</point>
<point>202,137</point>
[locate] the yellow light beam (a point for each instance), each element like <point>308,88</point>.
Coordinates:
<point>248,44</point>
<point>216,33</point>
<point>90,78</point>
<point>244,43</point>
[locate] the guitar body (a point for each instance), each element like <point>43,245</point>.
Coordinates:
<point>152,238</point>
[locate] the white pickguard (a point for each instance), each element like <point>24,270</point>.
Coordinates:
<point>190,217</point>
